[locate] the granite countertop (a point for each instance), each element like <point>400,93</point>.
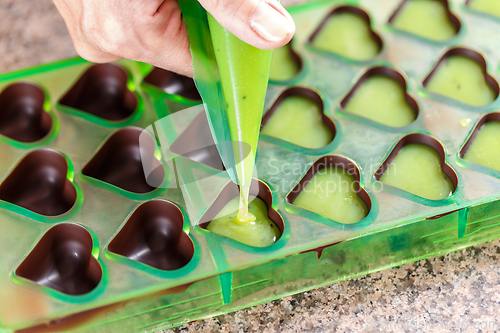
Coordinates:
<point>455,292</point>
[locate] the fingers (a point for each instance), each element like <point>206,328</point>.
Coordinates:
<point>262,23</point>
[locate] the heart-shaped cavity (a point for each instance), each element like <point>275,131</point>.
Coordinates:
<point>153,235</point>
<point>173,83</point>
<point>331,188</point>
<point>196,143</point>
<point>286,63</point>
<point>22,114</point>
<point>39,183</point>
<point>264,231</point>
<point>347,31</point>
<point>461,74</point>
<point>297,117</point>
<point>102,91</point>
<point>491,7</point>
<point>431,19</point>
<point>122,159</point>
<point>483,145</point>
<point>417,164</point>
<point>62,260</point>
<point>381,95</point>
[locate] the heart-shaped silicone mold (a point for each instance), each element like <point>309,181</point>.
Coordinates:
<point>417,164</point>
<point>297,117</point>
<point>196,143</point>
<point>483,145</point>
<point>250,233</point>
<point>286,64</point>
<point>331,188</point>
<point>173,83</point>
<point>121,160</point>
<point>431,19</point>
<point>381,95</point>
<point>347,31</point>
<point>102,92</point>
<point>491,7</point>
<point>22,113</point>
<point>39,183</point>
<point>62,260</point>
<point>461,74</point>
<point>153,235</point>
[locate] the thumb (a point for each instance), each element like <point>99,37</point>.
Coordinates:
<point>262,23</point>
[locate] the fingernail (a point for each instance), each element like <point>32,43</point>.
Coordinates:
<point>270,23</point>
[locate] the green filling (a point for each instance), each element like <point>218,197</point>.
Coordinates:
<point>485,147</point>
<point>382,99</point>
<point>462,79</point>
<point>417,169</point>
<point>348,35</point>
<point>283,66</point>
<point>259,233</point>
<point>425,18</point>
<point>299,120</point>
<point>331,192</point>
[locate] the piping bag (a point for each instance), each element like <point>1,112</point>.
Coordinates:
<point>232,78</point>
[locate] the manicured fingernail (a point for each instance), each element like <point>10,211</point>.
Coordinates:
<point>270,24</point>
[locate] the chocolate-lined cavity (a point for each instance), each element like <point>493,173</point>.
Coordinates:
<point>415,140</point>
<point>173,83</point>
<point>62,260</point>
<point>482,145</point>
<point>196,143</point>
<point>121,160</point>
<point>381,95</point>
<point>153,235</point>
<point>297,117</point>
<point>39,183</point>
<point>22,116</point>
<point>491,7</point>
<point>323,166</point>
<point>286,63</point>
<point>351,36</point>
<point>230,191</point>
<point>463,85</point>
<point>102,91</point>
<point>429,19</point>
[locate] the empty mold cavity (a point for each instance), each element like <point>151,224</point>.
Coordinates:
<point>297,117</point>
<point>197,144</point>
<point>331,188</point>
<point>102,91</point>
<point>417,164</point>
<point>154,236</point>
<point>22,114</point>
<point>264,231</point>
<point>483,145</point>
<point>173,83</point>
<point>491,7</point>
<point>120,161</point>
<point>39,183</point>
<point>461,74</point>
<point>431,19</point>
<point>380,95</point>
<point>346,31</point>
<point>62,260</point>
<point>286,64</point>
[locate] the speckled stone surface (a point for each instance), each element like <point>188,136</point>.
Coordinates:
<point>459,292</point>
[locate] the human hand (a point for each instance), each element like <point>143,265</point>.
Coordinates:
<point>153,31</point>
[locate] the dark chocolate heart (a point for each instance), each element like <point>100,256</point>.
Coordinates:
<point>153,235</point>
<point>120,162</point>
<point>173,83</point>
<point>39,183</point>
<point>22,116</point>
<point>102,91</point>
<point>62,260</point>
